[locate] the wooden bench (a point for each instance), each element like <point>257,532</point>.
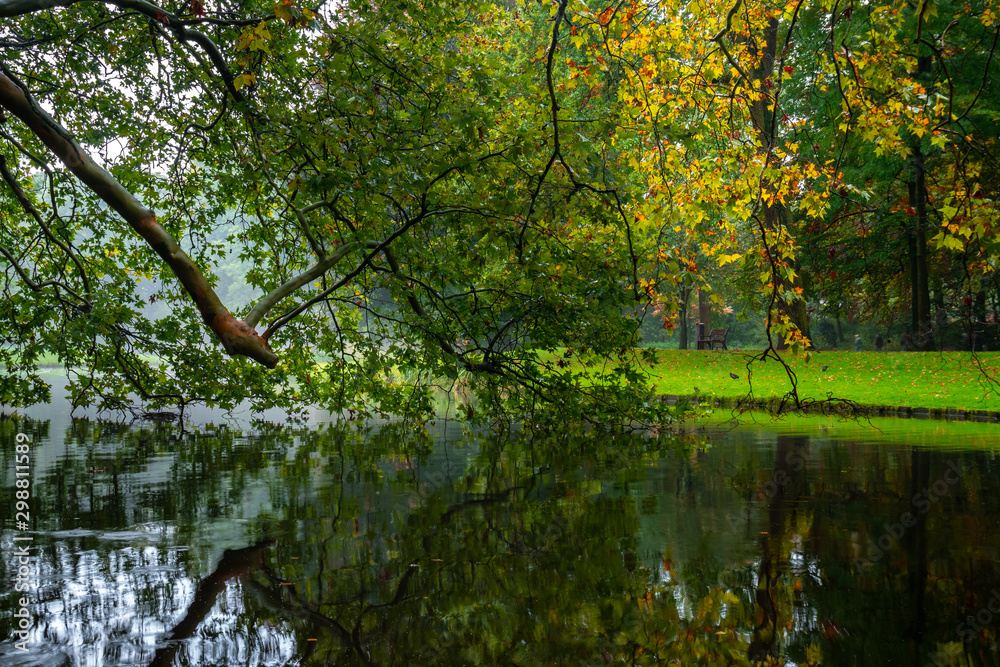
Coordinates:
<point>716,338</point>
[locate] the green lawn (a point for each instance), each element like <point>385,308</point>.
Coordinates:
<point>913,379</point>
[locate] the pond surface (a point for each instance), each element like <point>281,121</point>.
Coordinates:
<point>805,542</point>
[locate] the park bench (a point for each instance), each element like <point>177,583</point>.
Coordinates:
<point>715,338</point>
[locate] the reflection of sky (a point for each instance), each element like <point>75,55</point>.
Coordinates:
<point>58,411</point>
<point>693,520</point>
<point>110,606</point>
<point>106,597</point>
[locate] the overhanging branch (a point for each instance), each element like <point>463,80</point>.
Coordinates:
<point>236,336</point>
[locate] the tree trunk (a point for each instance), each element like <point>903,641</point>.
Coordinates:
<point>685,323</point>
<point>705,310</point>
<point>920,298</point>
<point>993,325</point>
<point>979,309</point>
<point>776,215</point>
<point>911,241</point>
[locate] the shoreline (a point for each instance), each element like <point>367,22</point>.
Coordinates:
<point>843,406</point>
<point>834,407</point>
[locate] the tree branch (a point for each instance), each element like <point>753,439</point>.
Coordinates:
<point>11,8</point>
<point>236,337</point>
<point>270,300</point>
<point>554,104</point>
<point>299,214</point>
<point>722,45</point>
<point>32,285</point>
<point>33,212</point>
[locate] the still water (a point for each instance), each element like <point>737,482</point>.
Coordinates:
<point>804,542</point>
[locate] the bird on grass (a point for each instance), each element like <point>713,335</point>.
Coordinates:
<point>824,368</point>
<point>734,376</point>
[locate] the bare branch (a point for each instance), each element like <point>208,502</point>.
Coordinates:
<point>26,204</point>
<point>272,299</point>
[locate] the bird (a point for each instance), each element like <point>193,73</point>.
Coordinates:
<point>824,368</point>
<point>734,376</point>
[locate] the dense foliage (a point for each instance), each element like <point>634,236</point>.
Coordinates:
<point>425,192</point>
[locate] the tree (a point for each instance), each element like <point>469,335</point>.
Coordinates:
<point>899,103</point>
<point>417,151</point>
<point>731,100</point>
<point>426,190</point>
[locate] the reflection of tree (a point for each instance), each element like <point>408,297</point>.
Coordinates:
<point>390,552</point>
<point>916,543</point>
<point>535,562</point>
<point>235,563</point>
<point>772,582</point>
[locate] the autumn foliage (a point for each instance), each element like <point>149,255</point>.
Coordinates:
<point>425,190</point>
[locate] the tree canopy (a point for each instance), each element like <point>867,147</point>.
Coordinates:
<point>420,192</point>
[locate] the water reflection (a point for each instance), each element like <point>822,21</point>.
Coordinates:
<point>325,546</point>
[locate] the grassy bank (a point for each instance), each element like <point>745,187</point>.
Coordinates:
<point>929,433</point>
<point>912,379</point>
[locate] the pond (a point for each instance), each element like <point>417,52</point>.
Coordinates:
<point>802,542</point>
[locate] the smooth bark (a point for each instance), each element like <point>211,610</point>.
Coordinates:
<point>312,273</point>
<point>236,336</point>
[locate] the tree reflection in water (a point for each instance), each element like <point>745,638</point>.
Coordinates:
<point>324,546</point>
